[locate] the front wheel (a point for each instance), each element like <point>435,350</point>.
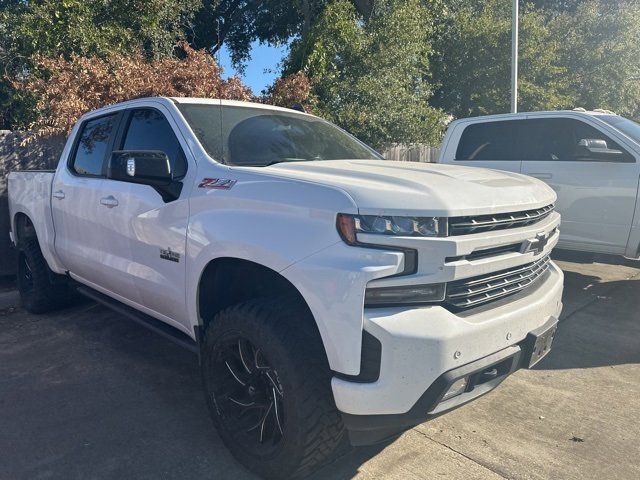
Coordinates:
<point>268,387</point>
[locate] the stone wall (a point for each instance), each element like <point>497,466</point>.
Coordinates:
<point>14,155</point>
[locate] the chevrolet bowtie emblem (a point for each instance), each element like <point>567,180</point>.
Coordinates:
<point>535,245</point>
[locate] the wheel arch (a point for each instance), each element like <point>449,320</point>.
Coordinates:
<point>23,227</point>
<point>227,281</point>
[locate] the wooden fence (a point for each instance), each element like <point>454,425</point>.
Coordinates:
<point>413,153</point>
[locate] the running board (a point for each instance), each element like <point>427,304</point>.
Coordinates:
<point>147,321</point>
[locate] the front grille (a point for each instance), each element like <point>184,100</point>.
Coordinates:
<point>499,221</point>
<point>487,252</point>
<point>471,292</point>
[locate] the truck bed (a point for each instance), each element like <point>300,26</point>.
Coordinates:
<point>30,194</point>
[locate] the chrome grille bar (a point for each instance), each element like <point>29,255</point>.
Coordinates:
<point>468,293</point>
<point>499,221</point>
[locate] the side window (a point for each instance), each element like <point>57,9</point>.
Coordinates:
<point>568,140</point>
<point>92,146</point>
<point>149,130</point>
<point>488,141</point>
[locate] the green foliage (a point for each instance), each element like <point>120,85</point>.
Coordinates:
<point>472,60</point>
<point>81,27</point>
<point>369,76</point>
<point>600,49</point>
<point>94,27</point>
<point>237,23</point>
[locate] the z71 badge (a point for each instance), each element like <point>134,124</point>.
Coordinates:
<point>217,183</point>
<point>170,255</point>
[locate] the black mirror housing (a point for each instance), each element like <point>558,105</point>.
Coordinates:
<point>148,167</point>
<point>145,167</point>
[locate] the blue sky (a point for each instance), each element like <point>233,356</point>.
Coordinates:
<point>260,70</point>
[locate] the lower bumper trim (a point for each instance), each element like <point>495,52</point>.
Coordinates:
<point>482,376</point>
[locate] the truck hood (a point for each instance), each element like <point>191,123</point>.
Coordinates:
<point>380,187</point>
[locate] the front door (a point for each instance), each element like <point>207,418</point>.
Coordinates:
<point>147,236</point>
<point>596,186</point>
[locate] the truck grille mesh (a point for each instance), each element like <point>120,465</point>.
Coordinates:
<point>499,221</point>
<point>471,292</point>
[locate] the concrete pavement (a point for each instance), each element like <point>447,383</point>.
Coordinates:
<point>85,394</point>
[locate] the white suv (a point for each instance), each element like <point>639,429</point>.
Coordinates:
<point>589,158</point>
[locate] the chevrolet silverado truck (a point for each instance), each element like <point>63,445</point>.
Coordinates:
<point>331,296</point>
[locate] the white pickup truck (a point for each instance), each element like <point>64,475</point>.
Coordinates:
<point>591,159</point>
<point>330,294</point>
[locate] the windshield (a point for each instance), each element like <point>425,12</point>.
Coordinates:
<point>248,136</point>
<point>630,128</point>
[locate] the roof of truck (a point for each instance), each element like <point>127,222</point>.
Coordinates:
<point>550,113</point>
<point>175,100</point>
<point>233,103</point>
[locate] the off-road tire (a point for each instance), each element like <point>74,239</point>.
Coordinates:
<point>284,331</point>
<point>41,290</point>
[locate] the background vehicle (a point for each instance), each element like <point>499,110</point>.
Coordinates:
<point>326,290</point>
<point>589,158</point>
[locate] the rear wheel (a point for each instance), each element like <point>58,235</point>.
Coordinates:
<point>268,387</point>
<point>41,290</point>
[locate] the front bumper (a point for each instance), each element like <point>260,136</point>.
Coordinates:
<point>424,348</point>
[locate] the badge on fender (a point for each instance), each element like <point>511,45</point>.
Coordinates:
<point>217,183</point>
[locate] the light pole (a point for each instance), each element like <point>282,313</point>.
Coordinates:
<point>514,58</point>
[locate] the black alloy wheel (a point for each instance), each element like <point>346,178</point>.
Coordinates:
<point>268,387</point>
<point>249,395</point>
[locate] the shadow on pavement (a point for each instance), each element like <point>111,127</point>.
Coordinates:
<point>605,334</point>
<point>586,258</point>
<point>85,393</point>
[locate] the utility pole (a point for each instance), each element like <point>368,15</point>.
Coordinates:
<point>514,58</point>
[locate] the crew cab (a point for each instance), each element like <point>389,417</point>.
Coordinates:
<point>330,294</point>
<point>590,158</point>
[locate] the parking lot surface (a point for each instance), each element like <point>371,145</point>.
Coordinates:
<point>87,394</point>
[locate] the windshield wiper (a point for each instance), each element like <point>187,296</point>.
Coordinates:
<point>289,160</point>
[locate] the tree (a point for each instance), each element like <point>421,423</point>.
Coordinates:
<point>80,84</point>
<point>600,49</point>
<point>368,75</point>
<point>238,23</point>
<point>81,27</point>
<point>472,60</point>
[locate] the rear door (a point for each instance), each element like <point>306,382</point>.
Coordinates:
<point>489,144</point>
<point>76,209</point>
<point>596,190</point>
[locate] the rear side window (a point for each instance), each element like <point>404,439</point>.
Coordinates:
<point>566,140</point>
<point>489,141</point>
<point>149,130</point>
<point>92,145</point>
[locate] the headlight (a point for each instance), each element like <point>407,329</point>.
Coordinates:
<point>350,225</point>
<point>404,295</point>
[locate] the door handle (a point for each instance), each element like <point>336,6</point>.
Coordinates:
<point>59,194</point>
<point>541,176</point>
<point>109,201</point>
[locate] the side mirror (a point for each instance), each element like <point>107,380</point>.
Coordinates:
<point>597,148</point>
<point>145,167</point>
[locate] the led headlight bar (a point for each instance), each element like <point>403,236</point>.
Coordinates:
<point>351,225</point>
